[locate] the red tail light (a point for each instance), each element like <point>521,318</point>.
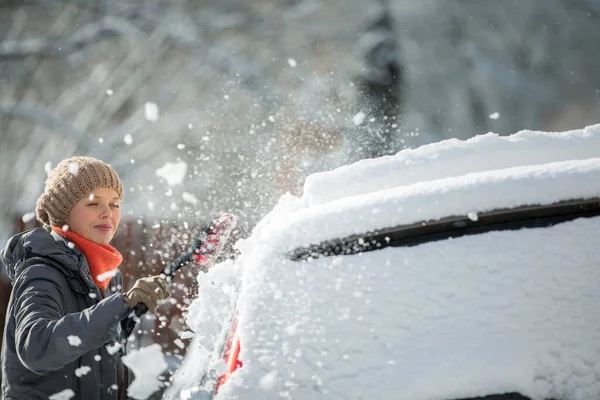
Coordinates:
<point>231,354</point>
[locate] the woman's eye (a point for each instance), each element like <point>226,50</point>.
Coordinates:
<point>116,205</point>
<point>92,204</point>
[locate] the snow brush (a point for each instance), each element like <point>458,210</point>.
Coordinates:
<point>203,251</point>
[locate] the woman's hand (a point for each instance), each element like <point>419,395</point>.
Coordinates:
<point>150,291</point>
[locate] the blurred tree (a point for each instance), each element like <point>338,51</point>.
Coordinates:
<point>476,66</point>
<point>84,77</point>
<point>379,85</point>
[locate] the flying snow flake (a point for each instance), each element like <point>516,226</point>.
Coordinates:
<point>337,261</point>
<point>226,97</point>
<point>292,63</point>
<point>109,92</point>
<point>151,111</point>
<point>27,217</point>
<point>179,343</point>
<point>271,118</point>
<point>180,146</point>
<point>472,216</point>
<point>190,126</point>
<point>147,364</point>
<point>112,349</point>
<point>48,167</point>
<point>106,275</point>
<point>186,335</point>
<point>292,329</point>
<point>268,380</point>
<point>81,371</point>
<point>495,115</point>
<point>73,168</point>
<point>91,196</point>
<point>63,395</point>
<point>173,173</point>
<point>74,341</point>
<point>97,357</point>
<point>359,118</point>
<point>65,227</point>
<point>100,140</point>
<point>128,139</point>
<point>189,198</point>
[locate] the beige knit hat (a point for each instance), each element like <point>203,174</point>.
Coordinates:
<point>71,181</point>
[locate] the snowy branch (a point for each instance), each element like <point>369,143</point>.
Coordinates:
<point>90,33</point>
<point>41,117</point>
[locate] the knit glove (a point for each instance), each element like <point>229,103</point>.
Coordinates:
<point>150,291</point>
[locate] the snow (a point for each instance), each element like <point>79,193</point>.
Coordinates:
<point>459,196</point>
<point>450,158</point>
<point>359,118</point>
<point>113,348</point>
<point>189,198</point>
<point>503,311</point>
<point>173,173</point>
<point>73,168</point>
<point>147,364</point>
<point>63,395</point>
<point>106,275</point>
<point>151,111</point>
<point>514,310</point>
<point>27,217</point>
<point>209,316</point>
<point>74,340</point>
<point>81,371</point>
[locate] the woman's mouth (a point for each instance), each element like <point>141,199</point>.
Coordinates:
<point>104,228</point>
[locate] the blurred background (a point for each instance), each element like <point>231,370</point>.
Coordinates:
<point>209,106</point>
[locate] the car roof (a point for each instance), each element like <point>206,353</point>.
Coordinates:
<point>294,225</point>
<point>451,158</point>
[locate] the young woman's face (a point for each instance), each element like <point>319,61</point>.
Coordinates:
<point>96,216</point>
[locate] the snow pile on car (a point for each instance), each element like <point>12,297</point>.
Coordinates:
<point>506,311</point>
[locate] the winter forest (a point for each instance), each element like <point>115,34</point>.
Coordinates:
<point>206,107</point>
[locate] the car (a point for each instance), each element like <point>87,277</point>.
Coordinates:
<point>457,270</point>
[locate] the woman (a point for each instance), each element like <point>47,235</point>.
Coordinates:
<point>66,312</point>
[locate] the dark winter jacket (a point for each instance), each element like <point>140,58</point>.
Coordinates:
<point>55,304</point>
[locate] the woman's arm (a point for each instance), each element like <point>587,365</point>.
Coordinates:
<point>43,329</point>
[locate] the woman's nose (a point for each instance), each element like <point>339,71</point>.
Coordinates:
<point>106,211</point>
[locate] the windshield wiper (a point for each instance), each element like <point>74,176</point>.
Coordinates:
<point>539,216</point>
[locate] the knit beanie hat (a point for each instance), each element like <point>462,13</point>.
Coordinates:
<point>72,180</point>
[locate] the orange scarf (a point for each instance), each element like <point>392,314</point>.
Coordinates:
<point>102,259</point>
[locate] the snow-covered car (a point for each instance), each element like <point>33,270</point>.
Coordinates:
<point>458,270</point>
